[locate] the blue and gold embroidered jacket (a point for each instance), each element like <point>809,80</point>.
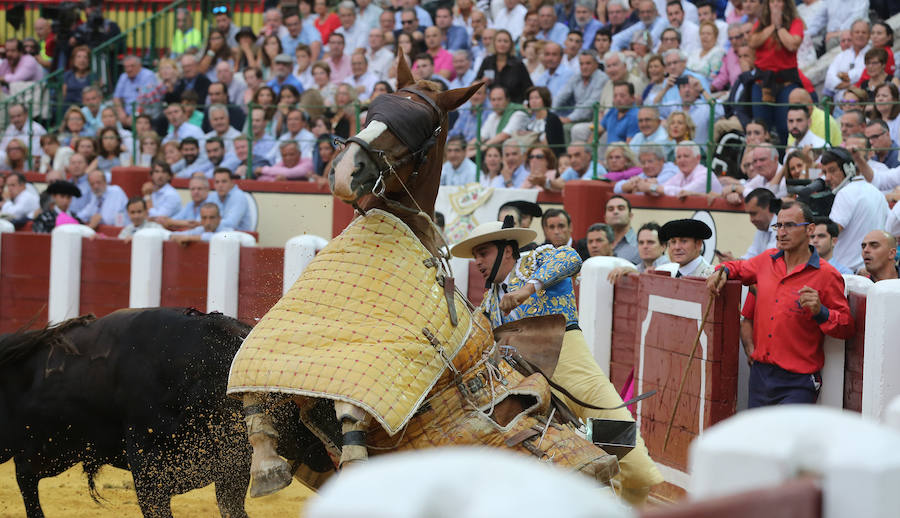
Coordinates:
<point>554,268</point>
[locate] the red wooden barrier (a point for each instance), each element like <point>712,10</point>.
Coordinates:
<point>105,275</point>
<point>260,282</point>
<point>660,345</point>
<point>184,275</point>
<point>24,280</point>
<point>801,498</point>
<point>853,356</point>
<point>130,179</point>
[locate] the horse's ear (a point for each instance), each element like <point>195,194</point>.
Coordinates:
<point>452,99</point>
<point>404,74</point>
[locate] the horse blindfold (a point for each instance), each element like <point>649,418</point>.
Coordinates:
<point>411,122</point>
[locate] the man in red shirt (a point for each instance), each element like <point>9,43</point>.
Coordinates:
<point>800,299</point>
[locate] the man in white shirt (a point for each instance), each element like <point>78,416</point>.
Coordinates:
<point>181,129</point>
<point>814,14</point>
<point>762,206</point>
<point>511,17</point>
<point>693,175</point>
<point>765,165</point>
<point>457,170</point>
<point>221,127</point>
<point>690,32</point>
<point>22,128</point>
<point>368,13</point>
<point>798,123</point>
<point>106,205</point>
<point>235,85</point>
<point>379,56</point>
<point>21,202</point>
<point>848,66</point>
<point>649,20</point>
<point>841,14</point>
<point>462,65</point>
<point>362,81</point>
<point>501,125</point>
<point>163,200</point>
<point>858,206</point>
<point>356,34</point>
<point>137,213</point>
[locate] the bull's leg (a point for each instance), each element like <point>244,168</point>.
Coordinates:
<point>354,423</point>
<point>230,491</point>
<point>28,486</point>
<point>268,472</point>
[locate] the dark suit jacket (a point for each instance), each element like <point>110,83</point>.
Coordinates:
<point>742,92</point>
<point>201,86</point>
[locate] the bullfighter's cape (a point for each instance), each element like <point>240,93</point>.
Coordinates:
<point>352,328</point>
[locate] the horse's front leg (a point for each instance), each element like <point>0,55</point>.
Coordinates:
<point>268,471</point>
<point>354,423</point>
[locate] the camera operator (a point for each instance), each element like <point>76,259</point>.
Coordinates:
<point>96,29</point>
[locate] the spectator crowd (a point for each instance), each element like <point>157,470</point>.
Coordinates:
<point>661,98</point>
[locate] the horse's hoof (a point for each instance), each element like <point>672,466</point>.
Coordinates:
<point>270,479</point>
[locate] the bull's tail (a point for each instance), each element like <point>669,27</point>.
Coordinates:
<point>91,469</point>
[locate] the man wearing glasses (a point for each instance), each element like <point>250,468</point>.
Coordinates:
<point>800,299</point>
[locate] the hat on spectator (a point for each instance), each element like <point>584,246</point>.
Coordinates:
<point>245,31</point>
<point>525,207</point>
<point>284,58</point>
<point>684,228</point>
<point>64,187</point>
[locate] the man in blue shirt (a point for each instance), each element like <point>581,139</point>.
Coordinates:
<point>585,22</point>
<point>551,29</point>
<point>106,205</point>
<point>621,123</point>
<point>134,82</point>
<point>676,66</point>
<point>164,200</point>
<point>211,223</point>
<point>467,122</point>
<point>298,32</point>
<point>455,37</point>
<point>556,74</point>
<point>457,170</point>
<point>235,206</point>
<point>649,21</point>
<point>282,74</point>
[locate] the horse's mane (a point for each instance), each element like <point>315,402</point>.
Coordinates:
<point>18,345</point>
<point>428,86</point>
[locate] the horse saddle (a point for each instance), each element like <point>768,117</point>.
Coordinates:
<point>539,339</point>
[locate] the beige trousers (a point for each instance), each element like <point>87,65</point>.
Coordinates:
<point>582,377</point>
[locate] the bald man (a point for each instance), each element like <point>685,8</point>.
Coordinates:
<point>879,253</point>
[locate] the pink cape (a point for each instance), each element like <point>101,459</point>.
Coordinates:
<point>64,219</point>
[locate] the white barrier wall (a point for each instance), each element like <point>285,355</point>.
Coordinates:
<point>857,459</point>
<point>832,392</point>
<point>145,289</point>
<point>224,270</point>
<point>595,306</point>
<point>881,376</point>
<point>64,300</point>
<point>299,251</point>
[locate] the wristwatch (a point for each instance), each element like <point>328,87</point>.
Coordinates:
<point>210,53</point>
<point>654,188</point>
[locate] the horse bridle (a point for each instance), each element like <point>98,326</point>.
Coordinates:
<point>386,167</point>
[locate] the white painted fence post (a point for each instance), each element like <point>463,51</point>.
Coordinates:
<point>224,271</point>
<point>832,393</point>
<point>460,267</point>
<point>299,251</point>
<point>881,378</point>
<point>65,271</point>
<point>5,227</point>
<point>857,459</point>
<point>146,268</point>
<point>892,414</point>
<point>595,306</point>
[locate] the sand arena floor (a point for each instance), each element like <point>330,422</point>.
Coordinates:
<point>66,496</point>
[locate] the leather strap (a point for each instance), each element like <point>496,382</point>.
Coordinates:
<point>355,438</point>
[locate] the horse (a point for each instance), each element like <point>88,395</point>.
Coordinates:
<point>141,390</point>
<point>375,340</point>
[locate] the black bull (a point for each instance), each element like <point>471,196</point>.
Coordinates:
<point>142,390</point>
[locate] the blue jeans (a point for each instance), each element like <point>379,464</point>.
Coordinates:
<point>775,117</point>
<point>772,385</point>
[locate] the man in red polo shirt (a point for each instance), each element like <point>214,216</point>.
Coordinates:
<point>800,299</point>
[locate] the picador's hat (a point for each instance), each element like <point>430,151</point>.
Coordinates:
<point>490,232</point>
<point>684,228</point>
<point>64,187</point>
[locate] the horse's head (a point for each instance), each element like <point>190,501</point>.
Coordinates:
<point>401,142</point>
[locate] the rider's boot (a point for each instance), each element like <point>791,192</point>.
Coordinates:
<point>354,423</point>
<point>268,472</point>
